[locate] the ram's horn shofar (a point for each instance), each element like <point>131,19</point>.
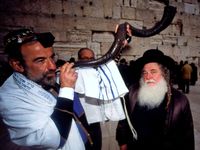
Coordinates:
<point>121,35</point>
<point>168,16</point>
<point>114,50</point>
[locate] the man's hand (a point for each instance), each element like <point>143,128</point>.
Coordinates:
<point>128,33</point>
<point>123,147</point>
<point>68,76</point>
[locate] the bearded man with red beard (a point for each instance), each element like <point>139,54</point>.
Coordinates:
<point>158,116</point>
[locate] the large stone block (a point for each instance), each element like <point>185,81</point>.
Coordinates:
<point>182,41</point>
<point>95,24</point>
<point>56,7</point>
<point>116,12</point>
<point>103,37</point>
<point>128,13</point>
<point>59,36</point>
<point>107,8</point>
<point>168,40</point>
<point>95,46</point>
<point>78,36</point>
<point>145,15</point>
<point>144,4</point>
<point>73,8</point>
<point>191,8</point>
<point>105,46</point>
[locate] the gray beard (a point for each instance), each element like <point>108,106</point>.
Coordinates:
<point>152,96</point>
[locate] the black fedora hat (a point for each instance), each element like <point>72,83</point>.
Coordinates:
<point>21,36</point>
<point>155,55</point>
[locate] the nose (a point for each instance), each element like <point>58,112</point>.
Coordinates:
<point>148,75</point>
<point>51,64</point>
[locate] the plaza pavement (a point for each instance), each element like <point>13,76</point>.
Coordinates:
<point>108,128</point>
<point>194,98</point>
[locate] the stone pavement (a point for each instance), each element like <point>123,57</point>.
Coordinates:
<point>108,128</point>
<point>194,98</point>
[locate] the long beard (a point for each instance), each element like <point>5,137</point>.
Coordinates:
<point>152,96</point>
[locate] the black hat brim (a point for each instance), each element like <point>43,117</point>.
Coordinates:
<point>163,60</point>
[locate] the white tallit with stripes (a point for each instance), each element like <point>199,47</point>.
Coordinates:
<point>100,90</point>
<point>26,108</point>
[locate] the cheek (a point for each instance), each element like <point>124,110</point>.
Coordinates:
<point>35,70</point>
<point>158,78</point>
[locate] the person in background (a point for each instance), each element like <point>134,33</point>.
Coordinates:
<point>131,72</point>
<point>186,72</point>
<point>32,114</point>
<point>60,63</point>
<point>179,75</point>
<point>159,116</point>
<point>85,54</point>
<point>194,75</point>
<point>124,68</point>
<point>94,129</point>
<point>5,71</point>
<point>72,60</point>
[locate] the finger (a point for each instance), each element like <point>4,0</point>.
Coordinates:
<point>67,66</point>
<point>116,28</point>
<point>75,75</point>
<point>129,32</point>
<point>71,71</point>
<point>125,42</point>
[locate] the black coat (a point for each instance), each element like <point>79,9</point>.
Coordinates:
<point>161,128</point>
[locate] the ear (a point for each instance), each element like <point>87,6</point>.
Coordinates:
<point>16,65</point>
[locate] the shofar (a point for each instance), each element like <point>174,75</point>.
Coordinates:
<point>121,35</point>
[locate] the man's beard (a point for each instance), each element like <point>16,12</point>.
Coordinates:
<point>48,82</point>
<point>152,96</point>
<point>43,80</point>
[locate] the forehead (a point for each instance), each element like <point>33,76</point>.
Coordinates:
<point>35,48</point>
<point>31,46</point>
<point>151,65</point>
<point>87,51</point>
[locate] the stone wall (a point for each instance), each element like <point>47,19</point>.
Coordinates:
<point>91,23</point>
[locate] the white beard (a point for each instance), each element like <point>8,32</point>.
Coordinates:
<point>152,96</point>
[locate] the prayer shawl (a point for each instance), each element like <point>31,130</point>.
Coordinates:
<point>99,91</point>
<point>26,109</point>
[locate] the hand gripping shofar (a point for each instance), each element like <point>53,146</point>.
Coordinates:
<point>121,36</point>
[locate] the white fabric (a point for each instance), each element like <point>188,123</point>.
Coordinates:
<point>26,108</point>
<point>100,90</point>
<point>66,92</point>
